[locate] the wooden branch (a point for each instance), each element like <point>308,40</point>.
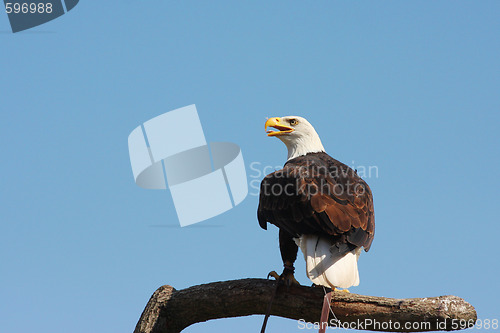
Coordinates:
<point>170,310</point>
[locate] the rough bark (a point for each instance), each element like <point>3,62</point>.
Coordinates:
<point>170,310</point>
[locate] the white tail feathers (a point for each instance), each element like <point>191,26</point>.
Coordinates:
<point>328,265</point>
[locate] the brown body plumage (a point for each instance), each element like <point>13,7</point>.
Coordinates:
<point>316,194</point>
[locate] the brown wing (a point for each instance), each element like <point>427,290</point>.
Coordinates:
<point>320,195</point>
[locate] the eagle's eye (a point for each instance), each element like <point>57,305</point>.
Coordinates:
<point>293,122</point>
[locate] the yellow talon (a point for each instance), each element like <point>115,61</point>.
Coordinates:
<point>342,290</point>
<point>274,275</point>
<point>286,278</point>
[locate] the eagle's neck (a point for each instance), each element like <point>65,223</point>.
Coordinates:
<point>303,145</point>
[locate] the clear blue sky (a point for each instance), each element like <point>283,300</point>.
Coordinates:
<point>409,87</point>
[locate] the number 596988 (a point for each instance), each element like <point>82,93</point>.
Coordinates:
<point>28,8</point>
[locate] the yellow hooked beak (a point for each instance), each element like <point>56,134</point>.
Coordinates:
<point>276,122</point>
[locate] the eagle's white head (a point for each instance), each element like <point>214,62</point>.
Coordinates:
<point>297,134</point>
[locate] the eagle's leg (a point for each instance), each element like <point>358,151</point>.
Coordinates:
<point>288,250</point>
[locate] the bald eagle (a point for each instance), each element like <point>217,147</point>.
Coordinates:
<point>319,204</point>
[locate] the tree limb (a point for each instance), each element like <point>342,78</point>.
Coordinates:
<point>170,310</point>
